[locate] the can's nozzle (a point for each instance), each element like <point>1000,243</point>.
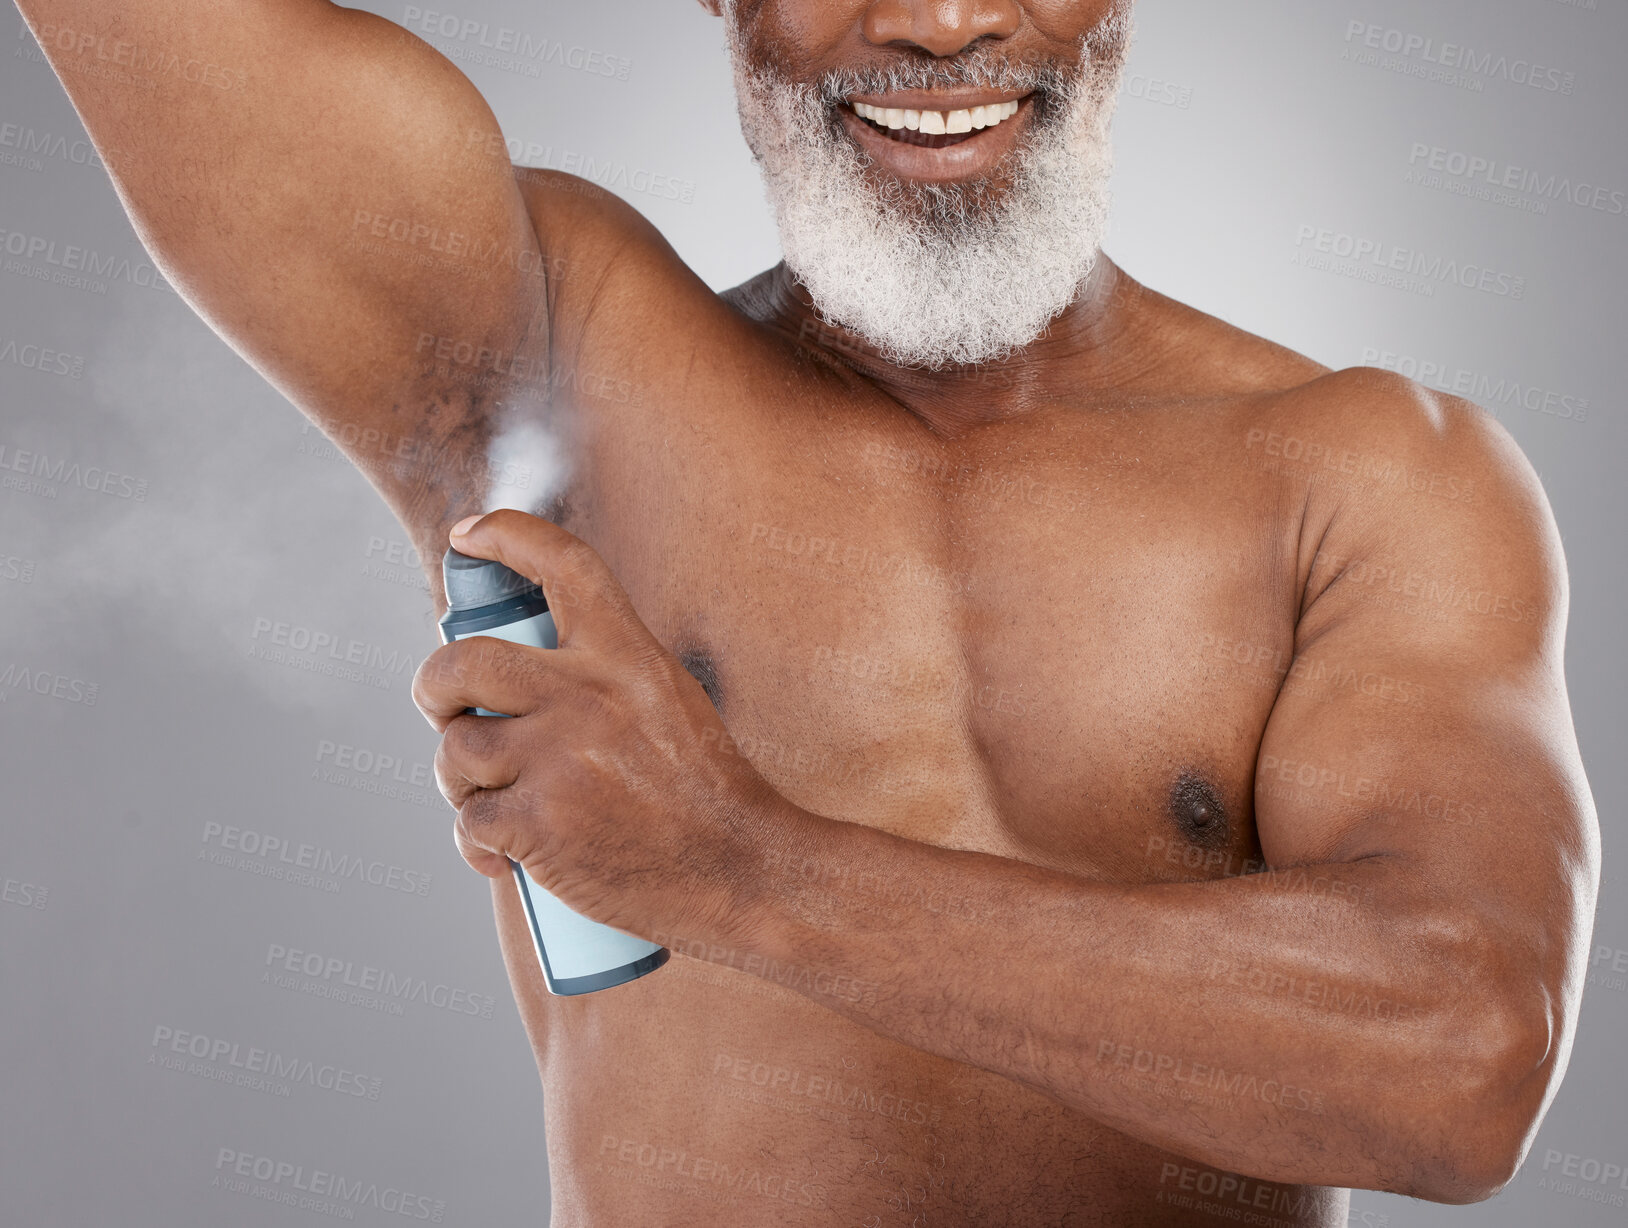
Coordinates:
<point>472,583</point>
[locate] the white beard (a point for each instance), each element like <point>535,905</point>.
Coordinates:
<point>934,275</point>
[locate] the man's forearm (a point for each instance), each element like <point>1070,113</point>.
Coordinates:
<point>1327,1025</point>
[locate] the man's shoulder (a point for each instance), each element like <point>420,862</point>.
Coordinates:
<point>1402,472</point>
<point>1380,458</point>
<point>612,263</point>
<point>1368,420</point>
<point>570,212</point>
<point>1363,410</point>
<point>1339,422</point>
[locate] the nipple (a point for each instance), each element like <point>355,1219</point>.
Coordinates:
<point>1198,811</point>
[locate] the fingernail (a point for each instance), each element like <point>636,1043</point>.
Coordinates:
<point>462,527</point>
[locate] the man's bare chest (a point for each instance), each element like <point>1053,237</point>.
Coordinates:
<point>1060,645</point>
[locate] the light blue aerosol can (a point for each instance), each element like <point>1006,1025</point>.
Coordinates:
<point>578,955</point>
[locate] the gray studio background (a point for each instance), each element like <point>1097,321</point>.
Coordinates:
<point>147,591</point>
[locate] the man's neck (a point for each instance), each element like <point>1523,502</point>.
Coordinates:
<point>1089,348</point>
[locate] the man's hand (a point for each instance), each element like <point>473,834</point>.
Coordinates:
<point>606,782</point>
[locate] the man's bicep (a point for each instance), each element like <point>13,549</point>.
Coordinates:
<point>1372,752</point>
<point>1425,714</point>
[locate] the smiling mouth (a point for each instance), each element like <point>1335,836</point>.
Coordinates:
<point>934,129</point>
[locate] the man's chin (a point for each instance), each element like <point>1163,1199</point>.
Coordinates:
<point>969,340</point>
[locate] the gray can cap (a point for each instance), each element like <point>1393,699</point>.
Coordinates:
<point>472,583</point>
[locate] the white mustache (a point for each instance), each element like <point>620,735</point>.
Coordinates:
<point>1053,82</point>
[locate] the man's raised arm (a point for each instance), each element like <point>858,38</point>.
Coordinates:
<point>335,198</point>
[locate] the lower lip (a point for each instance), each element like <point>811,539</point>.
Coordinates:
<point>968,159</point>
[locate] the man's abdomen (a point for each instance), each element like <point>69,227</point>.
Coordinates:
<point>704,1094</point>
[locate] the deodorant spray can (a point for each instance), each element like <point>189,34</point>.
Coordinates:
<point>578,955</point>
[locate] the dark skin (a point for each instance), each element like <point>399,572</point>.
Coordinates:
<point>1129,778</point>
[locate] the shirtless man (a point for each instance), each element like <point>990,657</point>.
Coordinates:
<point>1093,765</point>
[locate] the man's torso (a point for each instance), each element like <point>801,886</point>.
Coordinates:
<point>1056,638</point>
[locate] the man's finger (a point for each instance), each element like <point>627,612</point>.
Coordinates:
<point>494,824</point>
<point>483,672</point>
<point>472,844</point>
<point>478,752</point>
<point>583,595</point>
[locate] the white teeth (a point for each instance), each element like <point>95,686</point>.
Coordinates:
<point>935,123</point>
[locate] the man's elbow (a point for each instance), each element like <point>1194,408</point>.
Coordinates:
<point>1481,1132</point>
<point>1468,1174</point>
